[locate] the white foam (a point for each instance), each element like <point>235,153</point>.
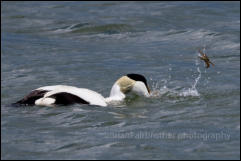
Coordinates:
<point>65,30</point>
<point>189,92</point>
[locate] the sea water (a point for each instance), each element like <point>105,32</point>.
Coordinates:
<point>193,111</point>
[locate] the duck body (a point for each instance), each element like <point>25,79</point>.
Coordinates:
<point>66,95</point>
<point>62,95</point>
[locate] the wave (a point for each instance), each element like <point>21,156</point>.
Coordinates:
<point>86,28</point>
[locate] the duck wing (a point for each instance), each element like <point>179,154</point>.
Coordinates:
<point>30,99</point>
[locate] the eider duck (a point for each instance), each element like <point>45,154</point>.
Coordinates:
<point>66,95</point>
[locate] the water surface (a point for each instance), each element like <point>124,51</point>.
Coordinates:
<point>194,112</point>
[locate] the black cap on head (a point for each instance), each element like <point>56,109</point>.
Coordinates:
<point>138,77</point>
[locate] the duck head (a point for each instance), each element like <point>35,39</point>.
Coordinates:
<point>130,83</point>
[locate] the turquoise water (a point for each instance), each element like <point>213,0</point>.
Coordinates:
<point>194,112</point>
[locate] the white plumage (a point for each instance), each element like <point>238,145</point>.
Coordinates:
<point>90,96</point>
<point>62,94</point>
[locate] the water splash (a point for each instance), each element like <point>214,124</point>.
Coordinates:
<point>176,92</point>
<point>192,91</point>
